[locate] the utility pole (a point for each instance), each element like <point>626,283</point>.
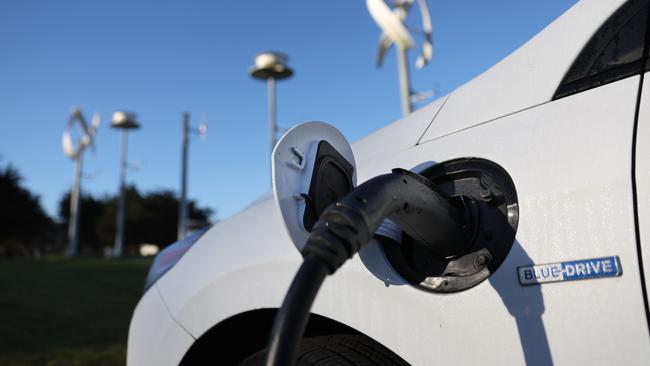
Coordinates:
<point>182,204</point>
<point>202,130</point>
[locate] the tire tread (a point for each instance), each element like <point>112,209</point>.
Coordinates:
<point>338,350</point>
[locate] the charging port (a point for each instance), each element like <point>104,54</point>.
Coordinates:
<point>489,192</point>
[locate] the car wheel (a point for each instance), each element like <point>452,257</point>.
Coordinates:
<point>346,350</point>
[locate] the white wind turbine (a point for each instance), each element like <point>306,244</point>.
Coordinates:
<point>76,137</point>
<point>392,24</point>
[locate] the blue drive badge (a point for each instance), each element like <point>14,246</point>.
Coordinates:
<point>570,271</point>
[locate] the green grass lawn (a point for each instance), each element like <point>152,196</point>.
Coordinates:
<point>68,312</point>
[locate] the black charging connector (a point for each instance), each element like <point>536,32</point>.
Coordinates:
<point>490,194</point>
<point>444,224</point>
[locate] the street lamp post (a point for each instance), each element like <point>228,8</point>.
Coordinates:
<point>123,121</point>
<point>271,66</point>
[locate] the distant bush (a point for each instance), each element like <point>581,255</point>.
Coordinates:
<point>25,228</point>
<point>150,218</point>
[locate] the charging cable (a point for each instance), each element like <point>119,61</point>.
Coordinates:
<point>444,224</point>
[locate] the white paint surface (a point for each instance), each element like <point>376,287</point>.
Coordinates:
<point>154,337</point>
<point>529,76</point>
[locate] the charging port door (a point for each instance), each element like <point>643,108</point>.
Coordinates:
<point>312,167</point>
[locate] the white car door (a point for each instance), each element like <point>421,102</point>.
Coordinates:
<point>571,162</point>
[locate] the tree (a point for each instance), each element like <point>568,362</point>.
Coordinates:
<point>91,210</point>
<point>24,225</point>
<point>150,218</point>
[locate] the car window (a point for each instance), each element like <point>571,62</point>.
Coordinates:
<point>614,52</point>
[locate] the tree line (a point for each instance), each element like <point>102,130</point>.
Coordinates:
<point>26,230</point>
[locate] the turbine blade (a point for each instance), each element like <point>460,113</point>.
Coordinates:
<point>84,125</point>
<point>385,45</point>
<point>389,22</point>
<point>66,142</point>
<point>426,16</point>
<point>427,44</point>
<point>96,121</point>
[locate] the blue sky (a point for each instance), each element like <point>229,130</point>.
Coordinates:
<point>160,58</point>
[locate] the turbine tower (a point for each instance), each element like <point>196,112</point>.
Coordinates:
<point>392,23</point>
<point>75,141</point>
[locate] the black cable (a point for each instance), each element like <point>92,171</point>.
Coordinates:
<point>291,321</point>
<point>441,223</point>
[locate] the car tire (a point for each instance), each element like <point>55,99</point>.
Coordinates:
<point>346,350</point>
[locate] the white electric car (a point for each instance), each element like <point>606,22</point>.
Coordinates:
<point>557,138</point>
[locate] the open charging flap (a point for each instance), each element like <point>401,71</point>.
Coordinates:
<point>312,167</point>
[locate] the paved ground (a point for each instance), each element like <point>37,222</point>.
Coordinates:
<point>67,312</point>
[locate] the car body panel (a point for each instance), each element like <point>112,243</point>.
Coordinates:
<point>247,262</point>
<point>397,136</point>
<point>154,337</point>
<point>527,77</point>
<point>236,265</point>
<point>575,203</point>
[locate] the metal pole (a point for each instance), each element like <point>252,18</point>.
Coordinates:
<point>272,113</point>
<point>119,228</point>
<point>75,202</point>
<point>182,210</point>
<point>404,82</point>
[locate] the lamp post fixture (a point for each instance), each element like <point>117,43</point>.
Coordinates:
<point>271,66</point>
<point>123,121</point>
